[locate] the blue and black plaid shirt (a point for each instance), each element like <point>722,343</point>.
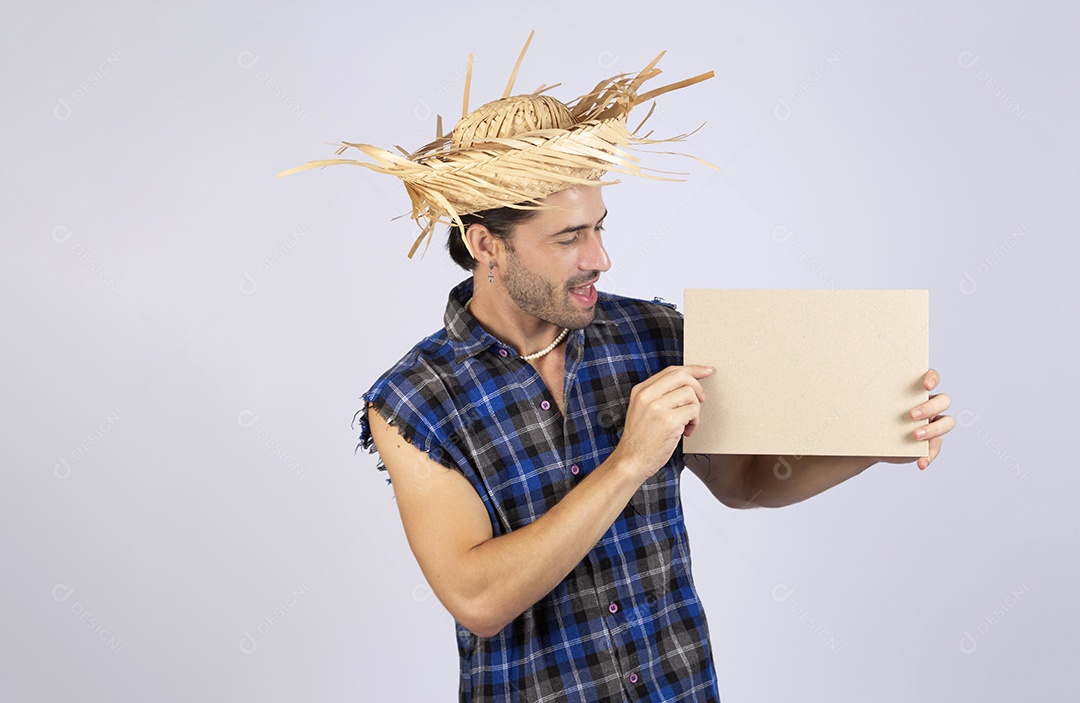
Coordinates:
<point>626,623</point>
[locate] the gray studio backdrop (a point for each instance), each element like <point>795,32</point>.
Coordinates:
<point>182,515</point>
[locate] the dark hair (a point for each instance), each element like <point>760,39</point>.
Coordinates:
<point>499,221</point>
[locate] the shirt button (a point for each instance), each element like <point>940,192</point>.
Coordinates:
<point>613,608</point>
<point>503,353</point>
<point>633,678</point>
<point>545,405</point>
<point>574,469</point>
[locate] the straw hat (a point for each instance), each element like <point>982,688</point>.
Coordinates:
<point>514,151</point>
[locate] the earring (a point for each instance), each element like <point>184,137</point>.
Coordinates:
<point>491,270</point>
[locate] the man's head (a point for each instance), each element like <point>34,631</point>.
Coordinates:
<point>545,262</point>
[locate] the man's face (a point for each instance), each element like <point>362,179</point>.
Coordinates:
<point>554,259</point>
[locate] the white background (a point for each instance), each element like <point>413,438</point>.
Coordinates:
<point>187,337</point>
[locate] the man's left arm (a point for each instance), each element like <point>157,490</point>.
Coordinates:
<point>776,481</point>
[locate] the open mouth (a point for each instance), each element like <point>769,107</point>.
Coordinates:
<point>586,294</point>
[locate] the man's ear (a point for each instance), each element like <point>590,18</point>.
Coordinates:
<point>483,244</point>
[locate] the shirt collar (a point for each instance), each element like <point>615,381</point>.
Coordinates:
<point>468,338</point>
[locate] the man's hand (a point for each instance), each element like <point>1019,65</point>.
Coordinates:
<point>663,409</point>
<point>939,424</point>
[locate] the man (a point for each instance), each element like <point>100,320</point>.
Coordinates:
<point>534,448</point>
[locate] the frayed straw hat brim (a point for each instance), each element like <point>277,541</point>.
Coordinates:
<point>489,163</point>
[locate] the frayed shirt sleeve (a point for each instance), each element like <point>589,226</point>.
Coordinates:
<point>399,404</point>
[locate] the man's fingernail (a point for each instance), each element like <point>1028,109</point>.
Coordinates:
<point>916,414</point>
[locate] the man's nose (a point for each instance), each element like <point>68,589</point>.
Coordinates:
<point>595,257</point>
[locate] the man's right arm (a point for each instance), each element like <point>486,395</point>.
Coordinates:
<point>486,581</point>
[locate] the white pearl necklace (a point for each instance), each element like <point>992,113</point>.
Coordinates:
<point>536,355</point>
<point>545,350</point>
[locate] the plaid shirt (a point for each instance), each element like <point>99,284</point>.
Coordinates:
<point>626,623</point>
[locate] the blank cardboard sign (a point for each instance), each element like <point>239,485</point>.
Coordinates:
<point>809,372</point>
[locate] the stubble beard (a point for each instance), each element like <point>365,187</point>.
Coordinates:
<point>542,299</point>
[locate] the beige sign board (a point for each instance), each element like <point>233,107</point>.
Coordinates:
<point>809,372</point>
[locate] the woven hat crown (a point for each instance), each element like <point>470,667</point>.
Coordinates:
<point>509,117</point>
